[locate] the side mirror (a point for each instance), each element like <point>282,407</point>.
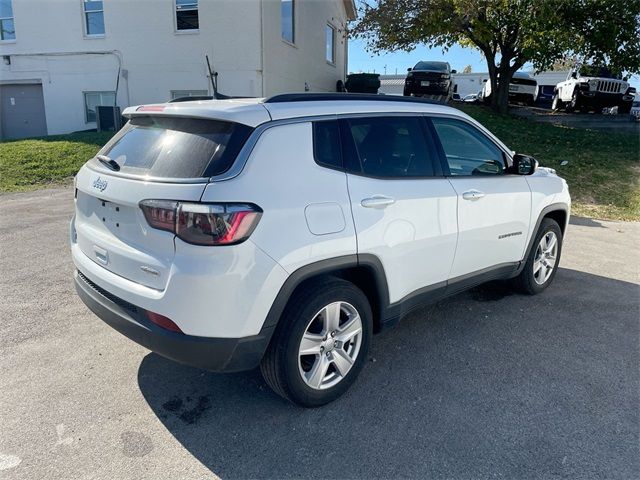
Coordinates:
<point>454,71</point>
<point>409,69</point>
<point>484,81</point>
<point>523,165</point>
<point>574,75</point>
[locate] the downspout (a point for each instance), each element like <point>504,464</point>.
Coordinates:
<point>262,76</point>
<point>346,52</point>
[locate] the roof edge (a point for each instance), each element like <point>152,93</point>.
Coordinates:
<point>350,7</point>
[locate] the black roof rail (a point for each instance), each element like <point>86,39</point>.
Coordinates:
<point>323,97</point>
<point>195,98</point>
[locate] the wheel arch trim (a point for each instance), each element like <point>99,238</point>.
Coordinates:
<point>554,207</point>
<point>327,267</point>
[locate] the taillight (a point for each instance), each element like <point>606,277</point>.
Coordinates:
<point>203,223</point>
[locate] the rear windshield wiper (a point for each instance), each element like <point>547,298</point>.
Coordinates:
<point>109,162</point>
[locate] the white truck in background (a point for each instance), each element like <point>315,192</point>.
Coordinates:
<point>590,87</point>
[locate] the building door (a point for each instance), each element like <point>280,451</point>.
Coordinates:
<point>22,111</point>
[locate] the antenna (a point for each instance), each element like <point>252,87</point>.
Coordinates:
<point>214,78</point>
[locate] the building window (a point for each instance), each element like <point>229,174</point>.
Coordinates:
<point>330,41</point>
<point>96,99</point>
<point>93,18</point>
<point>188,93</point>
<point>187,15</point>
<point>7,29</point>
<point>288,20</point>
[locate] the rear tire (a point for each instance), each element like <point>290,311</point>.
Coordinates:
<point>543,260</point>
<point>625,108</point>
<point>319,319</point>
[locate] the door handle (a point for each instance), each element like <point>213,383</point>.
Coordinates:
<point>473,195</point>
<point>378,201</point>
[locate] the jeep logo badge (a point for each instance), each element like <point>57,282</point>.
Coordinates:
<point>100,184</point>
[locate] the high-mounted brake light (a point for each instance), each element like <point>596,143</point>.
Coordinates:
<point>203,223</point>
<point>150,108</point>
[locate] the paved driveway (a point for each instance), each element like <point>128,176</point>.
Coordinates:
<point>486,384</point>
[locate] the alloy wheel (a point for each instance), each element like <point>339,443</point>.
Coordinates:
<point>330,345</point>
<point>546,257</point>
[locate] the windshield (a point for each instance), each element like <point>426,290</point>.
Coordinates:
<point>437,66</point>
<point>600,72</point>
<point>176,147</point>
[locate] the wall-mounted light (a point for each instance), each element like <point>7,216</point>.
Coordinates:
<point>6,59</point>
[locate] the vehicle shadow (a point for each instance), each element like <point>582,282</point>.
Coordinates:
<point>585,222</point>
<point>487,383</point>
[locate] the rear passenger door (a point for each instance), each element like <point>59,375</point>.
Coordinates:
<point>403,208</point>
<point>493,206</point>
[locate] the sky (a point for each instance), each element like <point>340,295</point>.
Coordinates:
<point>362,61</point>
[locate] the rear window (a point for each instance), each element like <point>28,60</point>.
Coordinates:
<point>174,147</point>
<point>390,147</point>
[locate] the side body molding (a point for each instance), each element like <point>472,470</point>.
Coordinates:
<point>388,314</point>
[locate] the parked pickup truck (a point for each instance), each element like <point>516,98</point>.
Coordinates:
<point>523,88</point>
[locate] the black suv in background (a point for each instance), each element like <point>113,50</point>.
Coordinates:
<point>429,79</point>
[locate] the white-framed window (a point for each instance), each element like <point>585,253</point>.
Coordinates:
<point>288,20</point>
<point>188,93</point>
<point>187,15</point>
<point>96,99</point>
<point>93,18</point>
<point>7,27</point>
<point>330,43</point>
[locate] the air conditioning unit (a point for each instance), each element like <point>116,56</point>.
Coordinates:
<point>108,118</point>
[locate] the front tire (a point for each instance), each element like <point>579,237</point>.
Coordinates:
<point>321,343</point>
<point>625,108</point>
<point>543,260</point>
<point>556,103</point>
<point>575,102</point>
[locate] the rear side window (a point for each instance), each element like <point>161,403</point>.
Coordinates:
<point>390,147</point>
<point>173,147</point>
<point>467,150</point>
<point>326,144</point>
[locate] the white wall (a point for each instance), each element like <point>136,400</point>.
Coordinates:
<point>288,67</point>
<point>155,59</point>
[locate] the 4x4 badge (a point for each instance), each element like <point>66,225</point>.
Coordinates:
<point>100,184</point>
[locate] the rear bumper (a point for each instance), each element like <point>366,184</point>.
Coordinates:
<point>521,96</point>
<point>214,354</point>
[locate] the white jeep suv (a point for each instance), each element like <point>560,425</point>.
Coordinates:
<point>285,232</point>
<point>591,87</point>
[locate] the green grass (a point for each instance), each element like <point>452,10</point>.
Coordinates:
<point>603,170</point>
<point>38,162</point>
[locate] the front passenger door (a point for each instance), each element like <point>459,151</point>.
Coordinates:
<point>493,206</point>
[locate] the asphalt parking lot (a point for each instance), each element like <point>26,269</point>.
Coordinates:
<point>484,385</point>
<point>590,121</point>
